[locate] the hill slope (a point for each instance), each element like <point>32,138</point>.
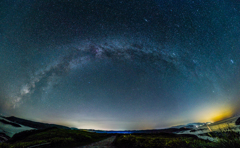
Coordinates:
<point>9,128</point>
<point>33,124</point>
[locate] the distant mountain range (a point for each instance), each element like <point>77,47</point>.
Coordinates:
<point>9,128</point>
<point>152,131</point>
<point>173,129</point>
<point>33,124</point>
<point>192,125</point>
<point>12,125</point>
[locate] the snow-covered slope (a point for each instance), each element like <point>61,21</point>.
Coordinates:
<point>214,127</point>
<point>10,128</point>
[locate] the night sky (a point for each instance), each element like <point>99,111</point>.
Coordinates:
<point>120,64</point>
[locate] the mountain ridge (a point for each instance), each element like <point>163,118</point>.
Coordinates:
<point>34,124</point>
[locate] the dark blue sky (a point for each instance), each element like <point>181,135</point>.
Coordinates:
<point>106,64</point>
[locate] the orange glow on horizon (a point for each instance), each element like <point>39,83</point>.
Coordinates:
<point>214,114</point>
<point>222,116</point>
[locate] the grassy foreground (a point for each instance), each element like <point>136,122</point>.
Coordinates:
<point>54,137</point>
<point>165,140</point>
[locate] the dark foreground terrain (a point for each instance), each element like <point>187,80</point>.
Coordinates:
<point>57,138</point>
<point>167,140</point>
<point>161,140</point>
<point>53,137</point>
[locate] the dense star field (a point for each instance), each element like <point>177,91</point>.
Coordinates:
<point>120,64</point>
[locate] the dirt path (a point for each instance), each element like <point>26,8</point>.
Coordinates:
<point>106,143</point>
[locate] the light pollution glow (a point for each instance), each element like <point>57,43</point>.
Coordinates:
<point>215,113</point>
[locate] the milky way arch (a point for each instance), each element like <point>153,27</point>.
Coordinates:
<point>145,54</point>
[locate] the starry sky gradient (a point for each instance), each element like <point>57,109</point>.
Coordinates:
<point>107,64</point>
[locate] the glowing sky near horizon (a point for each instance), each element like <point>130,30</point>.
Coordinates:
<point>106,64</point>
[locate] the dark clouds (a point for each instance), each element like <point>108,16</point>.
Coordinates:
<point>121,61</point>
